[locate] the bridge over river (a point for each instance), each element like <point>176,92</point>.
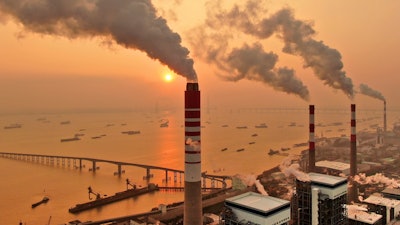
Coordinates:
<point>77,162</point>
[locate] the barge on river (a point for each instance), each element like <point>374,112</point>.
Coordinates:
<point>117,197</point>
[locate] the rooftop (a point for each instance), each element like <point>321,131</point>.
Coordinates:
<point>327,180</point>
<point>365,217</point>
<point>333,165</point>
<point>258,202</point>
<point>379,200</point>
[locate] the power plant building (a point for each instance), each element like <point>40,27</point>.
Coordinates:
<point>321,200</point>
<point>254,208</point>
<point>388,208</point>
<point>364,218</point>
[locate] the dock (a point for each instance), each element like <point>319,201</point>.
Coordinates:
<point>116,197</point>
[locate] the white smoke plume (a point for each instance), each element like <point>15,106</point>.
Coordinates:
<point>130,23</point>
<point>293,169</point>
<point>297,36</point>
<point>250,180</point>
<point>375,179</point>
<point>366,90</point>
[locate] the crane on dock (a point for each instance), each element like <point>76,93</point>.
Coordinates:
<point>90,190</point>
<point>128,183</point>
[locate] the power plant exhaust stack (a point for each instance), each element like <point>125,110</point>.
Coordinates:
<point>193,211</point>
<point>352,192</point>
<point>384,117</point>
<point>311,143</point>
<point>353,142</point>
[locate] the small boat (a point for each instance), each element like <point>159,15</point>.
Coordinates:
<point>44,200</point>
<point>292,124</point>
<point>285,149</point>
<point>241,127</point>
<point>164,124</point>
<point>131,132</point>
<point>240,150</point>
<point>252,143</point>
<point>262,125</point>
<point>224,149</point>
<point>65,122</point>
<point>225,125</point>
<point>70,139</point>
<point>300,144</point>
<point>273,152</point>
<point>254,135</point>
<point>12,126</point>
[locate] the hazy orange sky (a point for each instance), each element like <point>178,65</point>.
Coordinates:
<point>40,73</point>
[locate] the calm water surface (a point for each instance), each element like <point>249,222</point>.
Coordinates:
<point>23,183</point>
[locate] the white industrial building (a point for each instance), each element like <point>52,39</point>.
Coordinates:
<point>254,208</point>
<point>388,208</point>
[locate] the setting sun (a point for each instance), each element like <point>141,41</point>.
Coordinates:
<point>168,77</point>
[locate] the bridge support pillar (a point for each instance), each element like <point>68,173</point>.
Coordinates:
<point>148,174</point>
<point>119,169</point>
<point>80,164</point>
<point>94,166</point>
<point>166,176</point>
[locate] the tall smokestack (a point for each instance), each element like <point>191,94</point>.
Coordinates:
<point>311,143</point>
<point>353,142</point>
<point>384,117</point>
<point>193,212</point>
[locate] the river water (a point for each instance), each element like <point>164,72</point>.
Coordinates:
<point>23,183</point>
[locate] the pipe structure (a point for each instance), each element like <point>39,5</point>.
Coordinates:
<point>311,143</point>
<point>353,142</point>
<point>193,211</point>
<point>384,117</point>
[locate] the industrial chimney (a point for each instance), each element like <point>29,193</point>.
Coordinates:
<point>311,143</point>
<point>193,211</point>
<point>353,142</point>
<point>352,192</point>
<point>384,117</point>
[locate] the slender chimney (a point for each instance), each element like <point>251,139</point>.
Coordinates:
<point>384,117</point>
<point>353,142</point>
<point>193,212</point>
<point>311,143</point>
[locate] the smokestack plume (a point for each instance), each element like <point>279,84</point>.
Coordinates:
<point>311,143</point>
<point>193,212</point>
<point>130,23</point>
<point>353,142</point>
<point>366,90</point>
<point>297,36</point>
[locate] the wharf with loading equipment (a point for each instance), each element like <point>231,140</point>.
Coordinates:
<point>100,201</point>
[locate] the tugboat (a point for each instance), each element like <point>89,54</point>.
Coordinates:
<point>44,200</point>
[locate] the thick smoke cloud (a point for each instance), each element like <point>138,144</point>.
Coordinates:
<point>297,36</point>
<point>249,62</point>
<point>129,23</point>
<point>366,90</point>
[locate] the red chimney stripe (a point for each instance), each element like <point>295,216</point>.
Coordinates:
<point>192,124</point>
<point>311,109</point>
<point>353,122</point>
<point>312,127</point>
<point>192,99</point>
<point>353,138</point>
<point>311,146</point>
<point>192,114</point>
<point>192,152</point>
<point>188,133</point>
<point>193,162</point>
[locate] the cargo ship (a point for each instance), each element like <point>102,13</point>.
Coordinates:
<point>116,197</point>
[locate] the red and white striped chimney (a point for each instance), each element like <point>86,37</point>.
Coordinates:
<point>353,142</point>
<point>311,143</point>
<point>384,117</point>
<point>193,211</point>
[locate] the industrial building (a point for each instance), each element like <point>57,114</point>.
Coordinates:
<point>321,200</point>
<point>364,218</point>
<point>388,208</point>
<point>253,208</point>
